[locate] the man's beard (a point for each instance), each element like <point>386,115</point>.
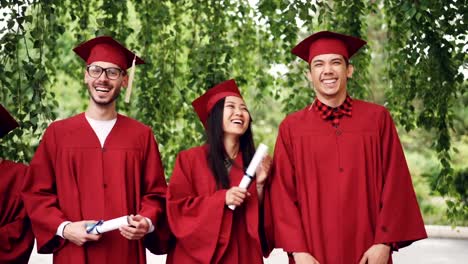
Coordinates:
<point>116,95</point>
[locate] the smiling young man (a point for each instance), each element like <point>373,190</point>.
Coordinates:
<point>97,165</point>
<point>341,191</point>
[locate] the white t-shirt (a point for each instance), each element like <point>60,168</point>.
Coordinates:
<point>102,128</point>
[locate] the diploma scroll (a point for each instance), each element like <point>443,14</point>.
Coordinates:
<point>260,153</point>
<point>106,226</point>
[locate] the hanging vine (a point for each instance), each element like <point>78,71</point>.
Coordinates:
<point>191,45</point>
<point>425,55</point>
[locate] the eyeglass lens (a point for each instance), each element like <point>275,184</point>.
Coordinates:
<point>96,71</point>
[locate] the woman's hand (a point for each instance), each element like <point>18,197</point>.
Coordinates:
<point>236,196</point>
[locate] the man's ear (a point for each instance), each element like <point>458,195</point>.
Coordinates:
<point>349,71</point>
<point>125,81</point>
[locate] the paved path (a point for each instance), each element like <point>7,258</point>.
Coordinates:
<point>434,251</point>
<point>277,256</point>
<point>429,251</point>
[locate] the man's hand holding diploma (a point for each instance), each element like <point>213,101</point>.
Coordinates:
<point>137,228</point>
<point>76,232</point>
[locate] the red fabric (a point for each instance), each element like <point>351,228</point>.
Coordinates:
<point>206,230</point>
<point>16,237</point>
<point>205,102</point>
<point>327,46</point>
<point>334,114</point>
<point>336,192</point>
<point>105,48</point>
<point>327,42</point>
<point>72,178</point>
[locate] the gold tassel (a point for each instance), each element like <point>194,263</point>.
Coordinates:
<point>130,81</point>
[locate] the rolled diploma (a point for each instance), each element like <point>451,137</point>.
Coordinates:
<point>110,225</point>
<point>260,153</point>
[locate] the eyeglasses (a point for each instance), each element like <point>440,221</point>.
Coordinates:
<point>111,73</point>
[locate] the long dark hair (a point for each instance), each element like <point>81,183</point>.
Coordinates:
<point>217,153</point>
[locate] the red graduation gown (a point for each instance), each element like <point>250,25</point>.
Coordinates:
<point>337,191</point>
<point>16,236</point>
<point>206,230</point>
<point>72,178</point>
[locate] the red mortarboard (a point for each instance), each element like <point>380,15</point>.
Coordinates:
<point>327,42</point>
<point>105,48</point>
<point>205,103</point>
<point>7,122</point>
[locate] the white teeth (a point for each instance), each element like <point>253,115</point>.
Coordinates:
<point>237,121</point>
<point>329,81</point>
<point>100,89</point>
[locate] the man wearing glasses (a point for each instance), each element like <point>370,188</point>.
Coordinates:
<point>98,165</point>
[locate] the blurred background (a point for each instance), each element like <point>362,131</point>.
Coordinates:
<point>415,64</point>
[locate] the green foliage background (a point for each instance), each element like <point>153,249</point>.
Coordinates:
<point>413,65</point>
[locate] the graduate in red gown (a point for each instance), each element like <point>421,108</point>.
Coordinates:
<point>341,191</point>
<point>204,183</point>
<point>97,165</point>
<point>16,236</point>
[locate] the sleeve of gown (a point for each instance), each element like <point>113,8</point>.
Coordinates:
<point>153,197</point>
<point>282,197</point>
<point>16,237</point>
<point>399,220</point>
<point>195,220</point>
<point>16,240</point>
<point>40,196</point>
